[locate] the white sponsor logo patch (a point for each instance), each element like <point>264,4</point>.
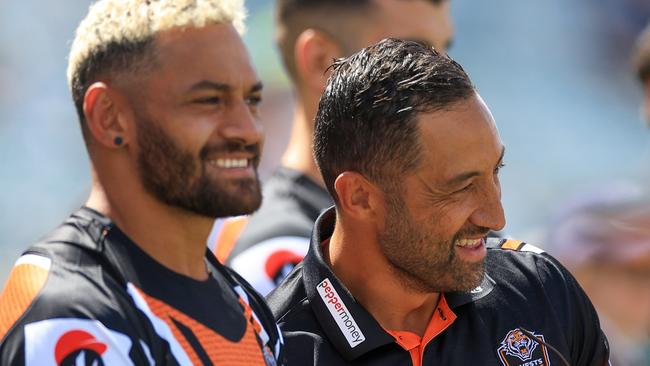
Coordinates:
<point>70,341</point>
<point>340,313</point>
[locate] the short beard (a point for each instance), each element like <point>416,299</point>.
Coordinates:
<point>424,263</point>
<point>177,178</point>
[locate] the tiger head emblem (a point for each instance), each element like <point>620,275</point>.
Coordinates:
<point>518,344</point>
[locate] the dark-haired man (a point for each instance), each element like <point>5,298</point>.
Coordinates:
<point>167,99</point>
<point>310,33</point>
<point>400,272</point>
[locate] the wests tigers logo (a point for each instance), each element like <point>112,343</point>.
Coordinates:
<point>518,349</point>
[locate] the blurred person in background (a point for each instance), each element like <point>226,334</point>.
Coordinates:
<point>264,247</point>
<point>167,99</point>
<point>604,240</point>
<point>603,237</point>
<point>642,65</point>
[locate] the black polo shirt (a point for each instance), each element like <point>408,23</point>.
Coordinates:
<point>527,309</point>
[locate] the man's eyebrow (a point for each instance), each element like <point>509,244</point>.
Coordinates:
<point>469,175</point>
<point>213,85</point>
<point>257,87</point>
<point>210,85</point>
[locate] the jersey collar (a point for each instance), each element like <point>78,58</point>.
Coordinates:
<point>346,323</point>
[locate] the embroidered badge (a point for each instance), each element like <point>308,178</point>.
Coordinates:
<point>518,349</point>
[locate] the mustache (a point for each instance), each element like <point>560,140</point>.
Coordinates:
<point>472,232</point>
<point>230,147</point>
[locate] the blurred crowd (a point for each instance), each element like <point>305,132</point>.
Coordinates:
<point>559,77</point>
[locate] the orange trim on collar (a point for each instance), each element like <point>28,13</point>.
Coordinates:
<point>442,318</point>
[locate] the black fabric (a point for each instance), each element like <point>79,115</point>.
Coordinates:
<point>520,289</point>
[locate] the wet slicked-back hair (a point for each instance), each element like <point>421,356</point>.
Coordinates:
<point>642,55</point>
<point>116,36</point>
<point>367,116</point>
<point>329,16</point>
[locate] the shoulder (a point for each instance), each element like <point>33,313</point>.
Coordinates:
<point>275,218</point>
<point>288,302</point>
<point>304,338</point>
<point>55,279</point>
<point>270,254</point>
<point>51,305</point>
<point>526,272</point>
<point>292,202</point>
<point>533,282</point>
<point>510,255</point>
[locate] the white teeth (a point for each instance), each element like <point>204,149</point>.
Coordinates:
<point>230,163</point>
<point>468,243</point>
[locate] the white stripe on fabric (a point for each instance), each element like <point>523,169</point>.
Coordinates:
<point>531,248</point>
<point>36,260</point>
<point>160,326</point>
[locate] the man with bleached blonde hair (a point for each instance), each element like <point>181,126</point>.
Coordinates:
<point>167,99</point>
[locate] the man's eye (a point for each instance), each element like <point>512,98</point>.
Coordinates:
<point>465,189</point>
<point>498,168</point>
<point>208,100</point>
<point>254,100</point>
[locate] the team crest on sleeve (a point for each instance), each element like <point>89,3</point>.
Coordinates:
<point>75,342</point>
<point>518,349</point>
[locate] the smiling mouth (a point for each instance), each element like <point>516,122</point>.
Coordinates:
<point>229,163</point>
<point>469,243</point>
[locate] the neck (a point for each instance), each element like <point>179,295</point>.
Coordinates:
<point>172,236</point>
<point>298,155</point>
<point>355,256</point>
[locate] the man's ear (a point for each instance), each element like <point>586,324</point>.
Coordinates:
<point>314,52</point>
<point>357,196</point>
<point>103,110</point>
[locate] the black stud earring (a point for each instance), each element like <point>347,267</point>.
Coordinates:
<point>118,140</point>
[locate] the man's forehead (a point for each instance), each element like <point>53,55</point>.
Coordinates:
<point>215,53</point>
<point>459,139</point>
<point>198,39</point>
<point>417,20</point>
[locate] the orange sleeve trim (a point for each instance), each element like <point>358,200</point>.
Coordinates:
<point>25,282</point>
<point>512,244</point>
<point>227,237</point>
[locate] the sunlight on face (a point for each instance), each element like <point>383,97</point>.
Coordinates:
<point>436,222</point>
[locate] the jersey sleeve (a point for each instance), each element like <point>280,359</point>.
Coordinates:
<point>265,264</point>
<point>589,345</point>
<point>66,341</point>
<point>26,280</point>
<point>41,325</point>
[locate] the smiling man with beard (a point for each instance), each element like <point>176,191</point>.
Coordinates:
<point>167,99</point>
<point>400,271</point>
